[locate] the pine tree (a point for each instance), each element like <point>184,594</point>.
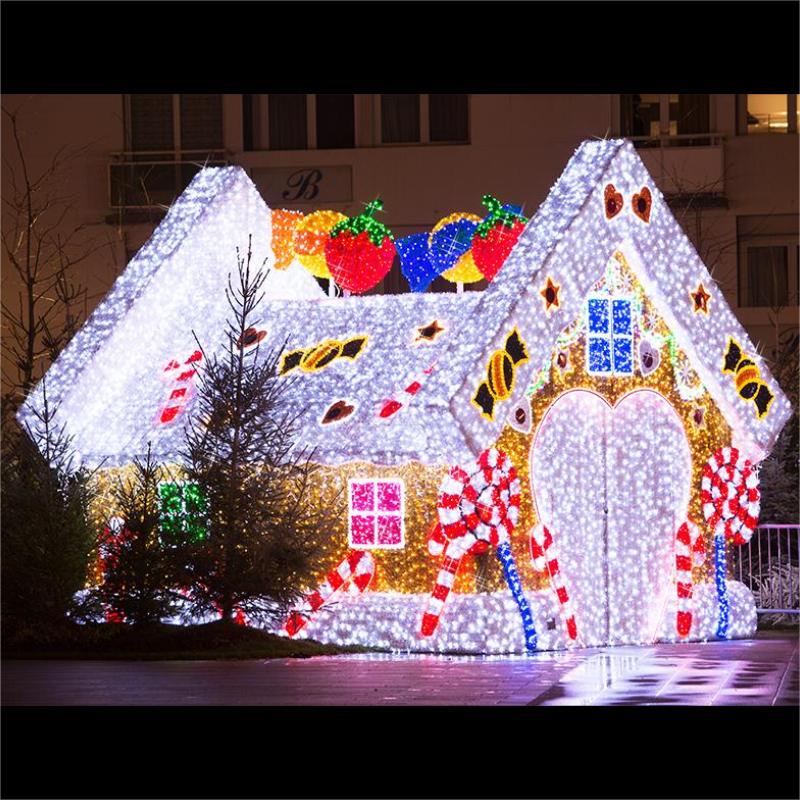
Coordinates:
<point>241,452</point>
<point>141,569</point>
<point>47,533</point>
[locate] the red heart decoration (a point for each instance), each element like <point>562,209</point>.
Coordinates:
<point>642,203</point>
<point>613,201</point>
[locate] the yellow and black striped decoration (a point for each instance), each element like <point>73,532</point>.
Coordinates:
<point>319,356</point>
<point>500,375</point>
<point>747,378</point>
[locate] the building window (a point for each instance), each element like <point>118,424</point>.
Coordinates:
<point>173,123</point>
<point>376,514</point>
<point>765,280</point>
<point>449,117</point>
<point>771,113</point>
<point>648,115</point>
<point>609,336</point>
<point>288,122</point>
<point>183,512</point>
<point>400,118</point>
<point>335,121</point>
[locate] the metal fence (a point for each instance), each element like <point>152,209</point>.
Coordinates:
<point>769,564</point>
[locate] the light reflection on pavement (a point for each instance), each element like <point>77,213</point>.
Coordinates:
<point>763,671</point>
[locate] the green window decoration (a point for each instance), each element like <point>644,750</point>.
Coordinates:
<point>184,512</point>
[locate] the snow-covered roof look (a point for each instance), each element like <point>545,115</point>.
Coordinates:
<point>110,379</point>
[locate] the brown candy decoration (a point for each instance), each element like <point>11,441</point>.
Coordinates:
<point>250,337</point>
<point>642,202</point>
<point>520,416</point>
<point>613,201</point>
<point>337,412</point>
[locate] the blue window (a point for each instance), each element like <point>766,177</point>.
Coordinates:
<point>609,336</point>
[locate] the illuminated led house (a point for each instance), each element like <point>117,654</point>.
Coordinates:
<point>602,363</point>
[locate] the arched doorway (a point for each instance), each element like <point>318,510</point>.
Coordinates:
<point>612,485</point>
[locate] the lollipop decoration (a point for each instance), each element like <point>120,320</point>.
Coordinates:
<point>310,237</point>
<point>731,504</point>
<point>284,224</point>
<point>360,250</point>
<point>450,242</point>
<point>477,509</point>
<point>356,568</point>
<point>496,236</point>
<point>689,551</point>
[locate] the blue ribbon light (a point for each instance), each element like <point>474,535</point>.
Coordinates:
<point>506,559</point>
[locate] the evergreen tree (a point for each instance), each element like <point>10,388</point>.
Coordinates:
<point>47,533</point>
<point>241,452</point>
<point>140,566</point>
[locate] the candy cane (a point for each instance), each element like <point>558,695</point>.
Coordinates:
<point>730,496</point>
<point>689,551</point>
<point>731,504</point>
<point>403,397</point>
<point>181,382</point>
<point>544,557</point>
<point>357,567</point>
<point>476,509</point>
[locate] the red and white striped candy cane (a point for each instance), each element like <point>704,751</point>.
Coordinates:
<point>404,396</point>
<point>689,551</point>
<point>730,496</point>
<point>358,568</point>
<point>476,509</point>
<point>181,383</point>
<point>544,557</point>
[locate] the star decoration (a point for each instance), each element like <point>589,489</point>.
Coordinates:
<point>430,332</point>
<point>550,294</point>
<point>700,297</point>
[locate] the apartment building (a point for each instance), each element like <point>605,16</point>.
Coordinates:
<point>727,163</point>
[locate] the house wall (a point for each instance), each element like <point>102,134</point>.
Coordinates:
<point>518,146</point>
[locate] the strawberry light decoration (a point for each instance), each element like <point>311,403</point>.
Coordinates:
<point>496,236</point>
<point>360,251</point>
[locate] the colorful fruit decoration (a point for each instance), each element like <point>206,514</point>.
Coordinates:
<point>310,237</point>
<point>496,236</point>
<point>360,251</point>
<point>415,261</point>
<point>284,224</point>
<point>450,241</point>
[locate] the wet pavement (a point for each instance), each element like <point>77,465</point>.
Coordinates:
<point>761,671</point>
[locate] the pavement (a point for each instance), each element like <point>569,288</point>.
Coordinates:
<point>760,671</point>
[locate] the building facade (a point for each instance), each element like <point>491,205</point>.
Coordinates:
<point>728,165</point>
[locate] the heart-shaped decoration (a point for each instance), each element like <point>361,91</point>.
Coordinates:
<point>337,412</point>
<point>649,357</point>
<point>612,486</point>
<point>612,201</point>
<point>642,202</point>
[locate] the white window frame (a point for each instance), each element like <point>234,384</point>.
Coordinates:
<point>610,336</point>
<point>351,513</point>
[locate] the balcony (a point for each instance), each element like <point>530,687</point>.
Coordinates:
<point>144,184</point>
<point>686,167</point>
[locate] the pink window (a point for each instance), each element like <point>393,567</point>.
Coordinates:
<point>376,513</point>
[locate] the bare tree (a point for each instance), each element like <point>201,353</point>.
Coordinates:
<point>41,250</point>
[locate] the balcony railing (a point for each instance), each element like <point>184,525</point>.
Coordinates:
<point>686,165</point>
<point>769,565</point>
<point>153,179</point>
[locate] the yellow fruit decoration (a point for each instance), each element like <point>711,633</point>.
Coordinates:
<point>310,236</point>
